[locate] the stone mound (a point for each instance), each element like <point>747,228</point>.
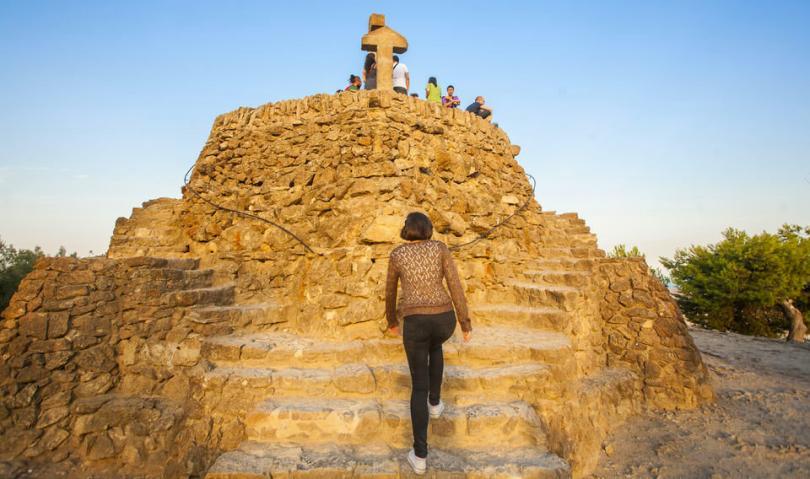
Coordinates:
<point>209,343</point>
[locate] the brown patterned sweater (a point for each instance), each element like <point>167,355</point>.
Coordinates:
<point>421,266</point>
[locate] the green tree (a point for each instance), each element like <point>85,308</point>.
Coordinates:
<point>14,265</point>
<point>748,284</point>
<point>621,251</point>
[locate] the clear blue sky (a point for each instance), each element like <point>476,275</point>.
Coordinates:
<point>661,123</point>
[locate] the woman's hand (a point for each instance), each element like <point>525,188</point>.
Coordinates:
<point>394,331</point>
<point>467,336</point>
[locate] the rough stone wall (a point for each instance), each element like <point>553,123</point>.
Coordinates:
<point>76,377</point>
<point>340,171</point>
<point>646,331</point>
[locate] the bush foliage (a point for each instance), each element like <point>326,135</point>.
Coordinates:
<point>738,283</point>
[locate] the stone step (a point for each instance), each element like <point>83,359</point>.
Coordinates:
<point>214,296</point>
<point>577,229</point>
<point>237,389</point>
<point>563,243</point>
<point>183,263</point>
<point>570,252</point>
<point>160,262</point>
<point>560,264</point>
<point>491,345</point>
<point>531,293</point>
<point>520,317</point>
<point>220,320</point>
<point>305,420</point>
<point>556,277</point>
<point>254,460</point>
<point>176,278</point>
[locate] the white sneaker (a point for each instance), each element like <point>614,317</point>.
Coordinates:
<point>418,464</point>
<point>437,410</point>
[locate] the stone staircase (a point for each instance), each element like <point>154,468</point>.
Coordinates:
<point>519,404</point>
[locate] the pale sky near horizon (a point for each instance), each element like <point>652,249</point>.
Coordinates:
<point>660,123</point>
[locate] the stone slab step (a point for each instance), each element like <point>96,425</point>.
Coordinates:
<point>571,252</point>
<point>215,295</point>
<point>220,320</point>
<point>239,389</point>
<point>529,292</point>
<point>560,264</point>
<point>183,263</point>
<point>372,461</point>
<point>491,345</point>
<point>176,278</point>
<point>305,420</point>
<point>157,262</point>
<point>559,278</point>
<point>519,317</point>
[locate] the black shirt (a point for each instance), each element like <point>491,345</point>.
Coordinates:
<point>474,107</point>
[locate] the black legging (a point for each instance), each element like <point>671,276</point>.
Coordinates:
<point>423,335</point>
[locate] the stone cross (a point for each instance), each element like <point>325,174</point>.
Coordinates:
<point>385,42</point>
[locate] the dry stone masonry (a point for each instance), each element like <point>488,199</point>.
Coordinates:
<point>211,344</point>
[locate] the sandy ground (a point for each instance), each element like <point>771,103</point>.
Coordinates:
<point>758,427</point>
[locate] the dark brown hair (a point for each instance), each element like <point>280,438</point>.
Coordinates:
<point>417,227</point>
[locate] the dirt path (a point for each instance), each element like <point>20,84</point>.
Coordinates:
<point>758,427</point>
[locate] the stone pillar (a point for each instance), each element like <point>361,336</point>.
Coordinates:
<point>385,42</point>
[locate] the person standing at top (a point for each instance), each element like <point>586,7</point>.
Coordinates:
<point>432,92</point>
<point>450,100</point>
<point>402,79</point>
<point>428,320</point>
<point>354,83</point>
<point>479,109</point>
<point>370,72</point>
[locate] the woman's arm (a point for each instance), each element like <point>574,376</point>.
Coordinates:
<point>391,281</point>
<point>456,290</point>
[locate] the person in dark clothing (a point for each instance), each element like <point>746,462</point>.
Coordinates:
<point>370,72</point>
<point>480,109</point>
<point>428,320</point>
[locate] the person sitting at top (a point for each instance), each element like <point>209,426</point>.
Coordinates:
<point>415,95</point>
<point>370,72</point>
<point>432,92</point>
<point>354,83</point>
<point>478,108</point>
<point>450,100</point>
<point>402,79</point>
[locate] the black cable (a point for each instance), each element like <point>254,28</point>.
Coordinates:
<point>501,223</point>
<point>243,213</point>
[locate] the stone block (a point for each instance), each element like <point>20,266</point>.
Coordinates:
<point>53,438</point>
<point>71,291</point>
<point>58,324</point>
<point>383,229</point>
<point>620,284</point>
<point>51,416</point>
<point>101,447</point>
<point>34,325</point>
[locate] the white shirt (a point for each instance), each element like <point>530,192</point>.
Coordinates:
<point>400,70</point>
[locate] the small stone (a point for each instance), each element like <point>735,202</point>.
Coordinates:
<point>101,448</point>
<point>51,416</point>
